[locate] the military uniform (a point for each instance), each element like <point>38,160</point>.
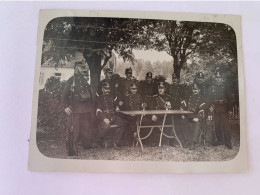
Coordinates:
<point>81,105</point>
<point>125,83</point>
<point>106,105</point>
<point>161,102</point>
<point>220,97</point>
<point>147,90</point>
<point>195,104</point>
<point>112,84</point>
<point>178,94</point>
<point>131,102</point>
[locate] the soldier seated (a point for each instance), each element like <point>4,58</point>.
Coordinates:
<point>132,101</point>
<point>161,102</point>
<point>111,126</point>
<point>196,105</point>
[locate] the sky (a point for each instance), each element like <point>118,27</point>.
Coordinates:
<point>151,55</point>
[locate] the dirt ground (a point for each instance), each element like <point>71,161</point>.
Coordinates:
<point>54,147</point>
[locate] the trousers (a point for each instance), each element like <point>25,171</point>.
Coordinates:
<point>82,127</point>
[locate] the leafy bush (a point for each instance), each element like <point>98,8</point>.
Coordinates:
<point>51,115</point>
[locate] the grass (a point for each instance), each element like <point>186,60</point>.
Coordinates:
<point>53,146</point>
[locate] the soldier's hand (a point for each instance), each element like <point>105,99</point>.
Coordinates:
<point>196,120</point>
<point>154,118</point>
<point>182,116</point>
<point>68,111</point>
<point>211,109</point>
<point>107,121</point>
<point>120,103</point>
<point>117,109</point>
<point>144,105</point>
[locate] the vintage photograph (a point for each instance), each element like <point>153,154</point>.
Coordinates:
<point>138,89</point>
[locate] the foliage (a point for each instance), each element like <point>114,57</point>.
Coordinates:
<point>51,115</point>
<point>194,46</point>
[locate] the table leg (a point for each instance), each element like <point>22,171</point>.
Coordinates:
<point>174,132</point>
<point>164,118</point>
<point>138,132</point>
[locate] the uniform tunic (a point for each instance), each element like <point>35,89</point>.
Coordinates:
<point>124,87</point>
<point>81,105</point>
<point>220,97</point>
<point>194,103</point>
<point>177,93</point>
<point>147,91</point>
<point>81,87</point>
<point>131,102</point>
<point>203,86</point>
<point>106,105</point>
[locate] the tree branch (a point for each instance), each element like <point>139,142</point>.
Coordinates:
<point>106,59</point>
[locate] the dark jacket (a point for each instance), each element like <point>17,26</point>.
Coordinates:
<point>80,100</point>
<point>220,96</point>
<point>106,105</point>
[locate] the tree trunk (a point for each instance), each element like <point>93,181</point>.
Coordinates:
<point>94,62</point>
<point>176,66</point>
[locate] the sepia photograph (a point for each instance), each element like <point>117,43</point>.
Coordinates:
<point>137,89</point>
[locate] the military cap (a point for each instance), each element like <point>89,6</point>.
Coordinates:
<point>108,70</point>
<point>128,70</point>
<point>133,86</point>
<point>80,63</point>
<point>174,76</point>
<point>200,75</point>
<point>149,75</point>
<point>161,85</point>
<point>106,85</point>
<point>159,79</point>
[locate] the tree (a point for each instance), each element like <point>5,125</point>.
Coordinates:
<point>179,39</point>
<point>187,40</point>
<point>95,38</point>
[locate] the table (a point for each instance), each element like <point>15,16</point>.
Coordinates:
<point>142,113</point>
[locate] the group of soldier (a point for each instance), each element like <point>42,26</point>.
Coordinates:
<point>115,94</point>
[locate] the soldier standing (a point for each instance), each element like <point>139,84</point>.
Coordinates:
<point>78,104</point>
<point>148,89</point>
<point>177,93</point>
<point>111,126</point>
<point>124,85</point>
<point>219,102</point>
<point>108,79</point>
<point>202,84</point>
<point>195,104</point>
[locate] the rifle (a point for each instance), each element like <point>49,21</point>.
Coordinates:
<point>71,145</point>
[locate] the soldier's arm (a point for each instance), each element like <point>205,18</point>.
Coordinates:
<point>99,113</point>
